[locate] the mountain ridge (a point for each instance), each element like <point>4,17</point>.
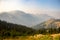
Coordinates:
<point>20,17</point>
<point>51,23</point>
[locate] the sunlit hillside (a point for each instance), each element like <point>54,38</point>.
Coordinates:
<point>51,23</point>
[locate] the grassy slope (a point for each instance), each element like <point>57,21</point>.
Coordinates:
<point>37,37</point>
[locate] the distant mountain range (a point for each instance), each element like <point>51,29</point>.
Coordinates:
<point>20,17</point>
<point>51,23</point>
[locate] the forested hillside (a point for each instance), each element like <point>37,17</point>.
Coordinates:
<point>9,29</point>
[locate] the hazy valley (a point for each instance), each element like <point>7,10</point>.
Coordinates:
<point>18,23</point>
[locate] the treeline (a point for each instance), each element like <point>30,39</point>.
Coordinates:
<point>49,31</point>
<point>9,29</point>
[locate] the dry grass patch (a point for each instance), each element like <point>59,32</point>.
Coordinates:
<point>37,37</point>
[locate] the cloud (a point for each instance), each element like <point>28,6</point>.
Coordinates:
<point>55,14</point>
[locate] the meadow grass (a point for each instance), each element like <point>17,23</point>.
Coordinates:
<point>36,37</point>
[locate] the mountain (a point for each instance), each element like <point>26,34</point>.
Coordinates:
<point>51,23</point>
<point>20,17</point>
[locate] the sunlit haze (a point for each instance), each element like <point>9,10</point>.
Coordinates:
<point>50,7</point>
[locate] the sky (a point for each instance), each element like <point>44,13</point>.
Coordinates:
<point>50,7</point>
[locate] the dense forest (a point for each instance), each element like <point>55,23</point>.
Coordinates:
<point>10,29</point>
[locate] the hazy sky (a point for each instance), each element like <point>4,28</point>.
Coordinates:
<point>31,6</point>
